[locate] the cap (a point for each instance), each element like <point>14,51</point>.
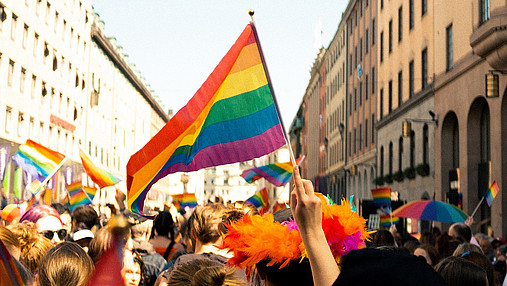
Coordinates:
<point>83,233</point>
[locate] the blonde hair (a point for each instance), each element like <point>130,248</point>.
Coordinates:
<point>33,245</point>
<point>65,264</point>
<point>204,272</point>
<point>204,222</point>
<point>9,238</point>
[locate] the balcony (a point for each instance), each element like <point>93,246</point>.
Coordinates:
<point>489,41</point>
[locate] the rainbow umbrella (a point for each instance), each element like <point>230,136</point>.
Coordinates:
<point>431,210</point>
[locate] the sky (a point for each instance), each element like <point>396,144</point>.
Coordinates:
<point>175,45</point>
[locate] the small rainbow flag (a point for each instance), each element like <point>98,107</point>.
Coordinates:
<point>37,160</point>
<point>78,197</point>
<point>181,201</point>
<point>491,193</point>
<point>99,175</point>
<point>278,174</point>
<point>9,273</point>
<point>259,199</point>
<point>231,118</point>
<point>90,191</point>
<point>381,197</point>
<point>385,220</point>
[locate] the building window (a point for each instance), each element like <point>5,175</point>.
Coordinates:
<point>410,14</point>
<point>381,46</point>
<point>400,154</point>
<point>10,73</point>
<point>360,93</point>
<point>14,26</point>
<point>25,35</point>
<point>448,48</point>
<point>21,119</point>
<point>373,128</point>
<point>48,10</point>
<point>412,149</point>
<point>360,137</point>
<point>57,16</point>
<point>366,86</point>
<point>425,144</point>
<point>381,161</point>
<point>366,130</point>
<point>372,80</point>
<point>366,39</point>
<point>400,24</point>
<point>390,97</point>
<point>390,36</point>
<point>34,85</point>
<point>8,119</point>
<point>400,88</point>
<point>22,80</point>
<point>361,49</point>
<point>373,32</point>
<point>391,158</point>
<point>381,103</point>
<point>3,16</point>
<point>35,44</point>
<point>411,78</point>
<point>424,68</point>
<point>424,7</point>
<point>483,11</point>
<point>355,98</point>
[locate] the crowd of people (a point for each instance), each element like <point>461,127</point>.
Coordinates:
<point>231,244</point>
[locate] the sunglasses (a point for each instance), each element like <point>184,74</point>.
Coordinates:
<point>49,234</point>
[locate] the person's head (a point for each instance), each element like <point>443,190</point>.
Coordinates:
<point>84,217</point>
<point>204,272</point>
<point>132,270</point>
<point>47,222</point>
<point>103,240</point>
<point>428,238</point>
<point>383,238</point>
<point>65,264</point>
<point>411,244</point>
<point>33,245</point>
<point>483,262</point>
<point>486,246</point>
<point>429,252</point>
<point>64,212</point>
<point>11,242</point>
<point>446,244</point>
<point>205,222</point>
<point>142,230</point>
<point>461,232</point>
<point>164,224</point>
<point>466,247</point>
<point>457,271</point>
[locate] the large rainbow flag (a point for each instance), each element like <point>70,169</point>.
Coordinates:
<point>259,199</point>
<point>99,175</point>
<point>278,174</point>
<point>231,118</point>
<point>491,193</point>
<point>37,160</point>
<point>9,273</point>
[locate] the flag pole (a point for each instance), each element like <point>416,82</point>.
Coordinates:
<point>477,207</point>
<point>46,180</point>
<point>254,30</point>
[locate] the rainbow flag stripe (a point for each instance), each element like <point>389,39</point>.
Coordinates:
<point>185,200</point>
<point>491,193</point>
<point>9,273</point>
<point>90,191</point>
<point>99,175</point>
<point>278,174</point>
<point>74,186</point>
<point>231,118</point>
<point>381,197</point>
<point>259,199</point>
<point>37,160</point>
<point>77,197</point>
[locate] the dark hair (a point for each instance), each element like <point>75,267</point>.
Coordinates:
<point>65,264</point>
<point>60,208</point>
<point>483,262</point>
<point>204,272</point>
<point>457,271</point>
<point>463,231</point>
<point>164,224</point>
<point>412,244</point>
<point>85,216</point>
<point>383,238</point>
<point>295,273</point>
<point>446,244</point>
<point>204,222</point>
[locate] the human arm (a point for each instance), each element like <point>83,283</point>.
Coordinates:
<point>307,211</point>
